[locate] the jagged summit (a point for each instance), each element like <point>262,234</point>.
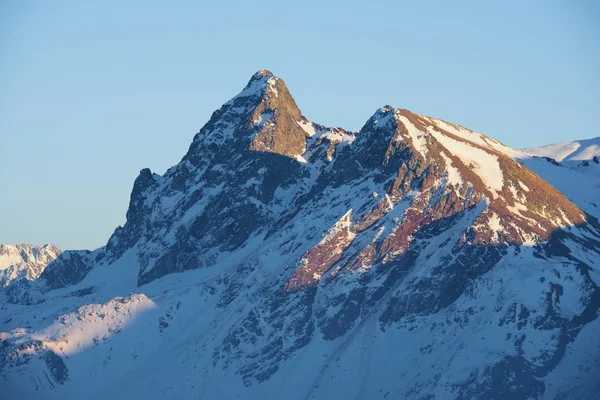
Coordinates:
<point>277,122</point>
<point>263,72</point>
<point>260,74</point>
<point>262,117</point>
<point>258,83</point>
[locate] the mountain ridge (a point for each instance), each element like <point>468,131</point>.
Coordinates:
<point>573,151</point>
<point>280,253</point>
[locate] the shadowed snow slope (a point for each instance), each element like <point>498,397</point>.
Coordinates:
<point>284,259</point>
<point>571,167</point>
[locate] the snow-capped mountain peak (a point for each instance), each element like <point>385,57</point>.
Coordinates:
<point>414,258</point>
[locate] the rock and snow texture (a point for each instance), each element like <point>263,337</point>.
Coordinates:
<point>284,259</point>
<point>24,261</point>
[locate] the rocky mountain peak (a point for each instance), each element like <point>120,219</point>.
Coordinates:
<point>278,245</point>
<point>263,117</point>
<point>260,76</point>
<point>428,152</point>
<point>276,120</point>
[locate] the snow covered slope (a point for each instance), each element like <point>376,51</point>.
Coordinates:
<point>284,259</point>
<point>24,261</point>
<point>571,167</point>
<point>577,151</point>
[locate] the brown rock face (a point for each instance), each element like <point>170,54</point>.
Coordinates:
<point>321,257</point>
<point>277,117</point>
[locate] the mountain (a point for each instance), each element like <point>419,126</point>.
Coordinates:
<point>574,152</point>
<point>571,167</point>
<point>24,261</point>
<point>285,259</point>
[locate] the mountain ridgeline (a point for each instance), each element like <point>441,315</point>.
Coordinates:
<point>413,259</point>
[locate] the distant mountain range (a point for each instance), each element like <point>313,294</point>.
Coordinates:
<point>572,152</point>
<point>283,259</point>
<point>24,261</point>
<point>571,167</point>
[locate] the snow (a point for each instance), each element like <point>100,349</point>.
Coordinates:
<point>452,174</point>
<point>569,151</point>
<point>263,118</point>
<point>175,338</point>
<point>338,137</point>
<point>462,132</point>
<point>486,165</point>
<point>494,223</point>
<point>307,126</point>
<point>476,138</point>
<point>383,116</point>
<point>576,184</point>
<point>300,159</point>
<point>256,87</point>
<point>13,258</point>
<point>76,331</point>
<point>523,186</point>
<point>417,137</point>
<point>112,339</point>
<point>577,375</point>
<point>24,261</point>
<point>342,225</point>
<point>272,81</point>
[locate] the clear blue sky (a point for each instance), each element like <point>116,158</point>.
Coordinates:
<point>92,93</point>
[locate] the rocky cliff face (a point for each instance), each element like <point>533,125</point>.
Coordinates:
<point>414,258</point>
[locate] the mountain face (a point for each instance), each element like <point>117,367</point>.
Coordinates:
<point>24,261</point>
<point>285,259</point>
